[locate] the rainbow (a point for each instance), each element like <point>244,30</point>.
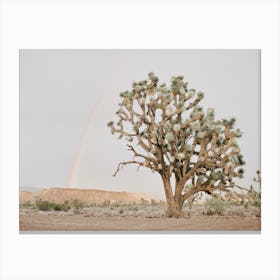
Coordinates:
<point>83,136</point>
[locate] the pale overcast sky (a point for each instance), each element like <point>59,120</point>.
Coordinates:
<point>68,96</point>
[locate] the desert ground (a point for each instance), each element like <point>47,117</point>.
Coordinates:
<point>80,222</point>
<point>60,210</point>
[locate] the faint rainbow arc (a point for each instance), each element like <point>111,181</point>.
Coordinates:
<point>81,142</point>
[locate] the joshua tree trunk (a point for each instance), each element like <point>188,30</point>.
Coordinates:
<point>173,203</point>
<point>174,208</point>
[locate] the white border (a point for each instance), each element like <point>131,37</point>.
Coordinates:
<point>156,24</point>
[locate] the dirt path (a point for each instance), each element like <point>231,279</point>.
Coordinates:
<point>33,222</point>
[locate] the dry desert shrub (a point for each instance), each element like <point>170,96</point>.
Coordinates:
<point>78,204</point>
<point>214,206</point>
<point>45,205</point>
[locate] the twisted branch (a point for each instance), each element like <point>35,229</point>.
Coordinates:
<point>127,162</point>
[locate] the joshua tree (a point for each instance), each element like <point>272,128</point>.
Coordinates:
<point>169,133</point>
<point>258,178</point>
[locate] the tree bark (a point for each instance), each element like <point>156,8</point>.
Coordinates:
<point>174,208</point>
<point>173,204</point>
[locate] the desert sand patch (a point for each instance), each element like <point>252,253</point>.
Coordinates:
<point>137,217</point>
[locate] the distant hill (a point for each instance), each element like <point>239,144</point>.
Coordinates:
<point>59,195</point>
<point>29,189</point>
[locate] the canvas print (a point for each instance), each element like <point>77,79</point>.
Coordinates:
<point>140,141</point>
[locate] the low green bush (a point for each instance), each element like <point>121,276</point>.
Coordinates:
<point>78,204</point>
<point>45,205</point>
<point>214,206</point>
<point>61,207</point>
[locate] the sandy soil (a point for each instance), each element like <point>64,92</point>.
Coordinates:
<point>82,222</point>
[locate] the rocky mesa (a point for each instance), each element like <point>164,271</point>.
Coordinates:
<point>60,195</point>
